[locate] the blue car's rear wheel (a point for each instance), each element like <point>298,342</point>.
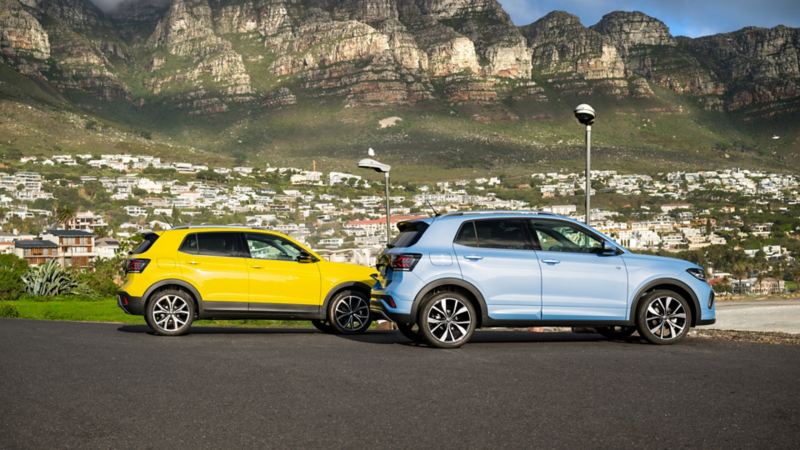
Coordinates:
<point>447,320</point>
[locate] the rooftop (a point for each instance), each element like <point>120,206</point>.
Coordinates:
<point>35,243</point>
<point>69,233</point>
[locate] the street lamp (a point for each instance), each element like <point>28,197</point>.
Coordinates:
<point>369,163</point>
<point>585,115</point>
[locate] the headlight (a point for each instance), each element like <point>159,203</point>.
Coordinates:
<point>698,273</point>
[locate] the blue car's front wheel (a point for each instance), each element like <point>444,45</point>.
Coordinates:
<point>664,317</point>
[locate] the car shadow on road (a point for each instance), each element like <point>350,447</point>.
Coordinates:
<point>493,336</point>
<point>223,330</point>
<point>383,337</point>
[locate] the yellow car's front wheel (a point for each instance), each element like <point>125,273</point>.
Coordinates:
<point>348,312</point>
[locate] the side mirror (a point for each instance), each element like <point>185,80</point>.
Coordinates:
<point>608,249</point>
<point>305,258</point>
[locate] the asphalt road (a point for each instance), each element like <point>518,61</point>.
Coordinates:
<point>104,385</point>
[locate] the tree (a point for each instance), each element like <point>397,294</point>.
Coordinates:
<point>64,213</point>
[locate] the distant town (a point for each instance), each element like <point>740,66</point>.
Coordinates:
<point>79,208</point>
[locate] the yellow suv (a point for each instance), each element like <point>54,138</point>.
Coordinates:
<point>224,272</point>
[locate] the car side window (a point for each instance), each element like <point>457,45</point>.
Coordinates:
<point>189,244</point>
<point>555,236</point>
<point>220,244</point>
<point>264,246</point>
<point>467,235</point>
<point>494,233</point>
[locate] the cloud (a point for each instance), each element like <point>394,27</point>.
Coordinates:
<point>107,5</point>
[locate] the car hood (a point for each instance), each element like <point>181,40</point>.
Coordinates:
<point>660,260</point>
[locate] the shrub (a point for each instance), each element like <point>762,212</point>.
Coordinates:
<point>102,278</point>
<point>7,311</point>
<point>49,279</point>
<point>11,271</point>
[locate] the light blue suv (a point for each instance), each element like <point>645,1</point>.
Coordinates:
<point>445,276</point>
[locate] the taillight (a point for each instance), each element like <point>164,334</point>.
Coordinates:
<point>405,261</point>
<point>136,265</point>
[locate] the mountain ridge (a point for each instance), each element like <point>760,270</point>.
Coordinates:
<point>222,59</point>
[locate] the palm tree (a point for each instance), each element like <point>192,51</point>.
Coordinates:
<point>64,213</point>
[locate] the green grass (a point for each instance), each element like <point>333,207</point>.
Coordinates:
<point>106,310</point>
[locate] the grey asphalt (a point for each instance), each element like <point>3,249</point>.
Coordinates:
<point>67,385</point>
<point>759,315</point>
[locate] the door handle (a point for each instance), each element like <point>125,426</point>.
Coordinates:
<point>194,263</point>
<point>255,267</point>
<point>473,257</point>
<point>552,262</point>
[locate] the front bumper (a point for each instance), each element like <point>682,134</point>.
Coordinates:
<point>130,304</point>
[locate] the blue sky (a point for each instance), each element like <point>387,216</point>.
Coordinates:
<point>684,17</point>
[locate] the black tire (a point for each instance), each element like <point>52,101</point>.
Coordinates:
<point>616,332</point>
<point>664,317</point>
<point>454,311</point>
<point>348,312</point>
<point>411,332</point>
<point>322,325</point>
<point>170,312</point>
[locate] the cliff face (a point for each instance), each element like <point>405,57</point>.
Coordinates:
<point>205,56</point>
<point>758,67</point>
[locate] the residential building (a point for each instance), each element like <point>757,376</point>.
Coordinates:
<point>75,247</point>
<point>36,251</point>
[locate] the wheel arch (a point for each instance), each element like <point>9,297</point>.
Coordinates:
<point>357,285</point>
<point>472,292</point>
<point>669,284</point>
<point>180,284</point>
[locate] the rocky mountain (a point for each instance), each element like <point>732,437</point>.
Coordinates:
<point>203,56</point>
<point>150,63</point>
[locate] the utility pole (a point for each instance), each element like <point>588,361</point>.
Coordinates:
<point>585,115</point>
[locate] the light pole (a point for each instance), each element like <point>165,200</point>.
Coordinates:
<point>369,163</point>
<point>585,115</point>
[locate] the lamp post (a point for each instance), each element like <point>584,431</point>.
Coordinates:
<point>585,115</point>
<point>369,163</point>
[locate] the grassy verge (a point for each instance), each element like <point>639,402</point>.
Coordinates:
<point>106,310</point>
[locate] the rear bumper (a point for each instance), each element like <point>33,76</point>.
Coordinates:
<point>130,304</point>
<point>379,310</point>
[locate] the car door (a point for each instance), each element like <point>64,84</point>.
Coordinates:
<point>578,280</point>
<point>497,257</point>
<point>213,262</point>
<point>280,279</point>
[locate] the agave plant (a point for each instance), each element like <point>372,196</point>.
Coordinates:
<point>49,279</point>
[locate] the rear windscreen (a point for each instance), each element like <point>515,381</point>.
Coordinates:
<point>410,232</point>
<point>148,240</point>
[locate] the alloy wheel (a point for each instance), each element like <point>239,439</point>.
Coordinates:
<point>665,318</point>
<point>171,313</point>
<point>351,312</point>
<point>449,320</point>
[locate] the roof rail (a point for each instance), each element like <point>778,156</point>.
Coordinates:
<point>212,225</point>
<point>512,211</point>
